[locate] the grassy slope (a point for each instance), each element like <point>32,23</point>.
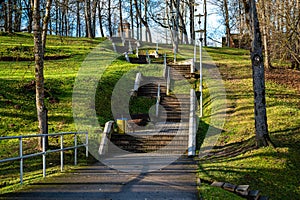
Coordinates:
<point>17,98</point>
<point>273,171</point>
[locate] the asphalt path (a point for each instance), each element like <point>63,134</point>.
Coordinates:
<point>175,181</point>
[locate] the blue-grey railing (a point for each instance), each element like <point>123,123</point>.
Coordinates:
<point>44,152</point>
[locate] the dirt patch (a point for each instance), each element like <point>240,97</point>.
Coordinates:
<point>286,77</point>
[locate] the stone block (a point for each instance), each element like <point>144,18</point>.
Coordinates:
<point>263,198</point>
<point>253,195</point>
<point>230,187</point>
<point>242,190</point>
<point>217,184</point>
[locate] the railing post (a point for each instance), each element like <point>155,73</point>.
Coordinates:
<point>157,100</point>
<point>21,159</point>
<point>75,156</point>
<point>137,81</point>
<point>61,153</point>
<point>44,155</point>
<point>114,47</point>
<point>168,80</point>
<point>192,127</point>
<point>148,57</point>
<point>200,84</point>
<point>165,66</point>
<point>87,144</point>
<point>130,51</point>
<point>137,51</point>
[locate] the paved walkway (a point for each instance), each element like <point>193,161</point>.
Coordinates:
<point>176,181</point>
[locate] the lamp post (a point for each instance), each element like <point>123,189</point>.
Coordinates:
<point>200,31</point>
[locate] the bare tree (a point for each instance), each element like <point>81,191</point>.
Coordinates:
<point>39,44</point>
<point>227,25</point>
<point>109,18</point>
<point>121,18</point>
<point>261,125</point>
<point>100,17</point>
<point>143,21</point>
<point>88,21</point>
<point>265,32</point>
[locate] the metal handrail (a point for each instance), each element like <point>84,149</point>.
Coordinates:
<point>43,153</point>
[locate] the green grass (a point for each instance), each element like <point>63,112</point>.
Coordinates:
<point>234,160</point>
<point>17,100</point>
<point>208,192</point>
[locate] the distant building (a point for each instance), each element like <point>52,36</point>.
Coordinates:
<point>238,41</point>
<point>126,30</point>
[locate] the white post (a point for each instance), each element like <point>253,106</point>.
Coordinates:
<point>61,153</point>
<point>192,127</point>
<point>201,76</point>
<point>137,81</point>
<point>21,161</point>
<point>168,80</point>
<point>114,47</point>
<point>130,48</point>
<point>157,100</point>
<point>148,57</point>
<point>75,156</point>
<point>44,155</point>
<point>87,144</point>
<point>127,57</point>
<point>137,52</point>
<point>165,66</point>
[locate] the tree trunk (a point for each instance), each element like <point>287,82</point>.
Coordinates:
<point>78,26</point>
<point>94,12</point>
<point>192,20</point>
<point>260,114</point>
<point>17,15</point>
<point>5,15</point>
<point>9,15</point>
<point>100,19</point>
<point>109,19</point>
<point>145,23</point>
<point>45,23</point>
<point>56,18</point>
<point>121,19</point>
<point>227,25</point>
<point>131,19</point>
<point>87,7</point>
<point>267,61</point>
<point>39,71</point>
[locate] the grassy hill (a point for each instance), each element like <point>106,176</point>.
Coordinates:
<point>274,171</point>
<point>234,159</point>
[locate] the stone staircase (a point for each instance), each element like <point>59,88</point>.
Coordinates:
<point>180,71</point>
<point>149,86</point>
<point>166,143</point>
<point>176,107</point>
<point>122,48</point>
<point>170,132</point>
